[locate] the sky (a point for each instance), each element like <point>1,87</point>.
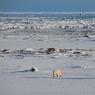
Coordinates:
<point>47,5</point>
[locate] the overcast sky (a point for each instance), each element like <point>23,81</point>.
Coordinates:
<point>47,5</point>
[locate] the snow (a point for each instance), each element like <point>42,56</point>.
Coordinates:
<point>77,61</point>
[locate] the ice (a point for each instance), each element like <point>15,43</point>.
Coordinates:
<point>75,22</point>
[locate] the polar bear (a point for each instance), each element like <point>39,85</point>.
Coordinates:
<point>57,73</point>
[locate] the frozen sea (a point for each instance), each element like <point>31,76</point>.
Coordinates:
<point>24,40</point>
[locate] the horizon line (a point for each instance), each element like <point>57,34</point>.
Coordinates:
<point>47,12</point>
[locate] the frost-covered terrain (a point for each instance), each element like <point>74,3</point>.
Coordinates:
<point>47,41</point>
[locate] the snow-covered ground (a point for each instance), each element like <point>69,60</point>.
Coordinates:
<point>22,49</point>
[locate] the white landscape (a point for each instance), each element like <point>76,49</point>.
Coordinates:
<point>47,43</point>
